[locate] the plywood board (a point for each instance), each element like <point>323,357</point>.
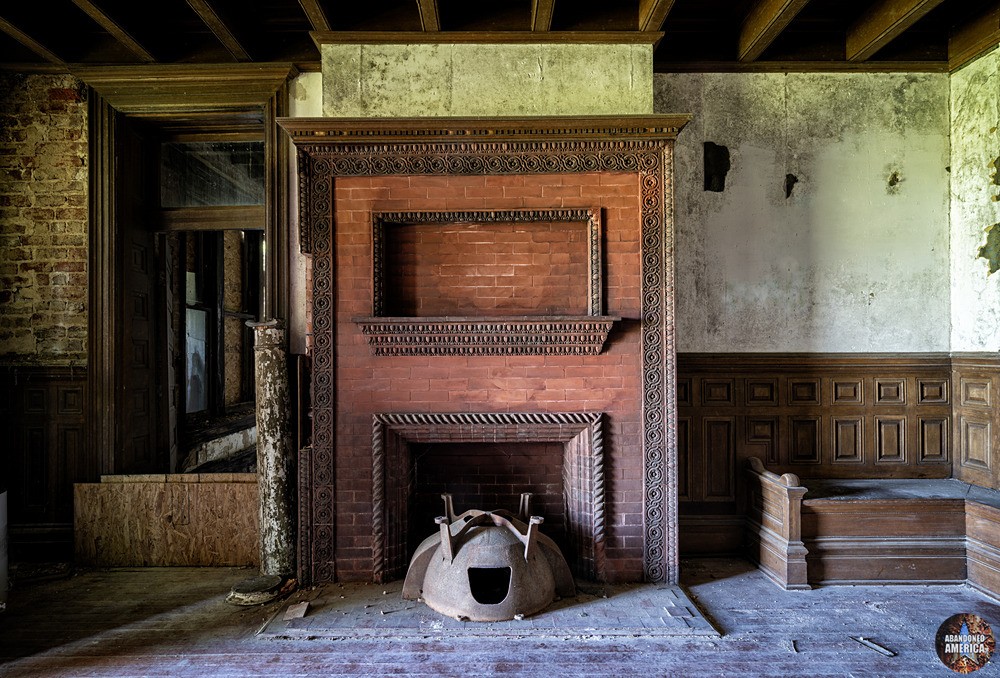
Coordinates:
<point>211,522</point>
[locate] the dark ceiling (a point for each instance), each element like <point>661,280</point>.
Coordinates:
<point>698,34</point>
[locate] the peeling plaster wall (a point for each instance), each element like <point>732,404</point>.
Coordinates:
<point>486,80</point>
<point>851,261</point>
<point>975,203</point>
<point>305,100</point>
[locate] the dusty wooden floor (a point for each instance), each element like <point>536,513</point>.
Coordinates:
<point>173,622</point>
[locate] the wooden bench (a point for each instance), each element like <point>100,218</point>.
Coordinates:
<point>774,525</point>
<point>873,531</point>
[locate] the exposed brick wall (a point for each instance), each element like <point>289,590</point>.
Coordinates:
<point>487,476</point>
<point>43,219</point>
<point>610,382</point>
<point>486,269</point>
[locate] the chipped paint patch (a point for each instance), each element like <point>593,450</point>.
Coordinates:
<point>991,250</point>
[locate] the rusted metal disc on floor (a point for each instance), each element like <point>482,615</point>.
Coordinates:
<point>256,591</point>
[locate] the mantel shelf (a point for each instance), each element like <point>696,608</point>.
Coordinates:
<point>487,335</point>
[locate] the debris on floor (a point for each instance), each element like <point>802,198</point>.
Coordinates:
<point>874,646</point>
<point>296,611</point>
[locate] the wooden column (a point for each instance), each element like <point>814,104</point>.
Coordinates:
<point>275,456</point>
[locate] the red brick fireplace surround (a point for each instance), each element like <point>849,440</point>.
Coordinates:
<point>492,313</point>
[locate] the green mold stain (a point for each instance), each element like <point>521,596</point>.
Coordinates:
<point>991,250</point>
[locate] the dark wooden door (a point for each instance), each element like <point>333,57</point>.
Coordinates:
<point>142,429</point>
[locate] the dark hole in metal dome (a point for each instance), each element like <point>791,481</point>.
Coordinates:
<point>489,585</point>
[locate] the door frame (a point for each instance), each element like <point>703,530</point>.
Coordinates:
<point>165,96</point>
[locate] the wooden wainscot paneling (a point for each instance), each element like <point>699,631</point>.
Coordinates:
<point>43,409</point>
<point>720,445</point>
<point>816,415</point>
<point>848,440</point>
<point>190,520</point>
<point>890,440</point>
<point>982,526</point>
<point>822,415</point>
<point>976,439</point>
<point>884,540</point>
<point>774,530</point>
<point>712,535</point>
<point>683,454</point>
<point>804,440</point>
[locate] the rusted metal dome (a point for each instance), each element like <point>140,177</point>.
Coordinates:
<point>488,566</point>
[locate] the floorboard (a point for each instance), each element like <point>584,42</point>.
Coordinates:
<point>174,622</point>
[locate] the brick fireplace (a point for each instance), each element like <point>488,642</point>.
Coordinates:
<point>491,313</point>
<point>489,460</point>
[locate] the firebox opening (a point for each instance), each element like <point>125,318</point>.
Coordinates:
<point>486,476</point>
<point>489,585</point>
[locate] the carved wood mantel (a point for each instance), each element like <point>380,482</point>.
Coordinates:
<point>333,148</point>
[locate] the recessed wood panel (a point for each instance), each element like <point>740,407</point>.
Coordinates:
<point>683,454</point>
<point>976,392</point>
<point>890,391</point>
<point>717,391</point>
<point>933,440</point>
<point>34,400</point>
<point>8,399</point>
<point>139,259</point>
<point>140,305</point>
<point>70,447</point>
<point>762,438</point>
<point>976,444</point>
<point>932,391</point>
<point>803,392</point>
<point>47,453</point>
<point>718,434</point>
<point>890,440</point>
<point>804,445</point>
<point>140,401</point>
<point>139,447</point>
<point>69,399</point>
<point>684,393</point>
<point>848,447</point>
<point>140,353</point>
<point>70,460</point>
<point>34,483</point>
<point>848,392</point>
<point>762,392</point>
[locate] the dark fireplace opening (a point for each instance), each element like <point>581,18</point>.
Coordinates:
<point>487,476</point>
<point>486,461</point>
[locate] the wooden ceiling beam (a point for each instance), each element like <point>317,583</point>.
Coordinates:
<point>211,18</point>
<point>882,24</point>
<point>541,14</point>
<point>29,42</point>
<point>315,14</point>
<point>115,29</point>
<point>765,22</point>
<point>652,13</point>
<point>430,21</point>
<point>974,38</point>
